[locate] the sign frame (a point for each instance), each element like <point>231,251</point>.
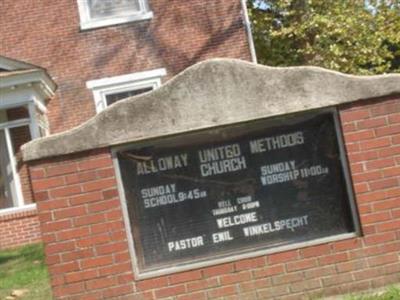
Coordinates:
<point>247,253</point>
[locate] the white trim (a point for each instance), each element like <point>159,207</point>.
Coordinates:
<point>247,25</point>
<point>116,20</point>
<point>40,105</point>
<point>15,123</point>
<point>33,124</point>
<point>12,64</point>
<point>17,183</point>
<point>21,97</point>
<point>37,76</point>
<point>123,83</point>
<point>101,83</point>
<point>13,210</point>
<point>86,22</point>
<point>17,98</point>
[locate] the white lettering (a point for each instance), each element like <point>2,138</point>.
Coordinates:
<point>276,142</point>
<point>221,237</point>
<point>288,224</point>
<point>188,243</point>
<point>237,220</point>
<point>223,166</point>
<point>162,164</point>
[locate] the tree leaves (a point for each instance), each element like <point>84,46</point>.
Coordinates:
<point>358,37</point>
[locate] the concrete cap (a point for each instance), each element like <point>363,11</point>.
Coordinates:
<point>209,94</point>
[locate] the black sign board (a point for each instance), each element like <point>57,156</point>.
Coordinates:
<point>236,189</point>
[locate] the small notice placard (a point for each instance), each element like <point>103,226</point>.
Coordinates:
<point>246,187</point>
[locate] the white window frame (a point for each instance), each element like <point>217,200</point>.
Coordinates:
<point>101,88</point>
<point>19,200</point>
<point>33,125</point>
<point>86,22</point>
<point>6,126</point>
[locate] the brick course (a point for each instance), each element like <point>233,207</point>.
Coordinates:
<point>87,250</point>
<point>19,228</point>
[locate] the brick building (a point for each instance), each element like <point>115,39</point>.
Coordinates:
<point>64,61</point>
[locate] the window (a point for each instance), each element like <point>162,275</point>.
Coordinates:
<point>17,127</point>
<point>100,13</point>
<point>24,91</point>
<point>107,91</point>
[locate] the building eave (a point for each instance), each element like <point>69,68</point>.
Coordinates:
<point>10,64</point>
<point>35,77</point>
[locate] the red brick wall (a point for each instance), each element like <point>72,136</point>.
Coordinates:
<point>87,251</point>
<point>18,229</point>
<point>47,33</point>
<point>82,226</point>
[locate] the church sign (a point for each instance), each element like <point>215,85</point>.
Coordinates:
<point>236,190</point>
<point>225,162</point>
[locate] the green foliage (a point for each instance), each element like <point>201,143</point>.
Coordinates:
<point>358,37</point>
<point>392,293</point>
<point>24,268</point>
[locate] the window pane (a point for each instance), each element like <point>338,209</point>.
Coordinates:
<point>19,136</point>
<point>110,8</point>
<point>112,98</point>
<point>6,192</point>
<point>16,113</point>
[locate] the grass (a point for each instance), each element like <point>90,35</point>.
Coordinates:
<point>24,268</point>
<point>391,293</point>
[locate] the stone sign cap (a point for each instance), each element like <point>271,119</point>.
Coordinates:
<point>209,94</point>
